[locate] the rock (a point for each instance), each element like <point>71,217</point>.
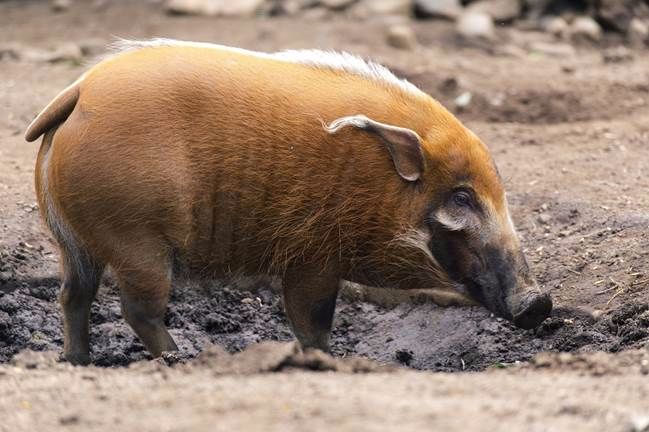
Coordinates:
<point>618,54</point>
<point>61,5</point>
<point>449,9</point>
<point>387,7</point>
<point>192,7</point>
<point>448,85</point>
<point>240,7</point>
<point>401,37</point>
<point>498,10</point>
<point>553,49</point>
<point>584,27</point>
<point>536,8</point>
<point>544,218</point>
<point>638,32</point>
<point>269,356</point>
<point>616,14</point>
<point>69,52</point>
<point>555,25</point>
<point>475,25</point>
<point>9,52</point>
<point>214,7</point>
<point>463,100</point>
<point>92,47</point>
<point>639,423</point>
<point>282,7</point>
<point>336,4</point>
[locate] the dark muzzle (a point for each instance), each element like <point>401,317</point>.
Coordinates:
<point>532,309</point>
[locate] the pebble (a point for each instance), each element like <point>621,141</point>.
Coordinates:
<point>584,27</point>
<point>387,7</point>
<point>556,26</point>
<point>449,9</point>
<point>618,54</point>
<point>66,52</point>
<point>639,424</point>
<point>287,7</point>
<point>476,25</point>
<point>61,5</point>
<point>463,100</point>
<point>638,32</point>
<point>214,7</point>
<point>597,314</point>
<point>499,10</point>
<point>9,52</point>
<point>401,37</point>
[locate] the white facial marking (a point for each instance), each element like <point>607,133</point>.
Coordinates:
<point>448,221</point>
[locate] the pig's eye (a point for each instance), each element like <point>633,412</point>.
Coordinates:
<point>462,198</point>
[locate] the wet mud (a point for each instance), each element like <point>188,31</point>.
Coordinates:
<point>422,336</point>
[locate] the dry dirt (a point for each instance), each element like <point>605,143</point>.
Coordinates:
<point>570,136</point>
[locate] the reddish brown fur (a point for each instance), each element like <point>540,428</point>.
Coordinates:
<point>180,137</point>
<point>191,155</point>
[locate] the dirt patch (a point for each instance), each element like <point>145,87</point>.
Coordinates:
<point>422,336</point>
<point>594,364</point>
<point>537,102</point>
<point>558,392</point>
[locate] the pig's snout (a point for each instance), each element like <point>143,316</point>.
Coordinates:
<point>531,309</point>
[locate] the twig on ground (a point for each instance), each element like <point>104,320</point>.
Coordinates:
<point>618,292</point>
<point>606,290</point>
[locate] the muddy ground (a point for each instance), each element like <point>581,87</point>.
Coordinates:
<point>569,133</point>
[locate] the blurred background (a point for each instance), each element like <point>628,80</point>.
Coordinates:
<point>419,39</point>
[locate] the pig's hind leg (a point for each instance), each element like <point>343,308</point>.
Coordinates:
<point>80,271</point>
<point>145,282</point>
<point>81,278</point>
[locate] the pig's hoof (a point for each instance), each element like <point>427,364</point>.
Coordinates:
<point>534,309</point>
<point>78,359</point>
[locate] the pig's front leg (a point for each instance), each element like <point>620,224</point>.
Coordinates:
<point>310,300</point>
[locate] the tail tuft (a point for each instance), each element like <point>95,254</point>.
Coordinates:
<point>54,113</point>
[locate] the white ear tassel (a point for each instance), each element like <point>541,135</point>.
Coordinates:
<point>360,121</point>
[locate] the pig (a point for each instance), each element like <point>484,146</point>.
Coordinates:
<point>173,158</point>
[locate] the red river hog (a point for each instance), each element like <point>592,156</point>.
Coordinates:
<point>199,160</point>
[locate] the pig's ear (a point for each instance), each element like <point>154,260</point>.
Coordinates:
<point>403,144</point>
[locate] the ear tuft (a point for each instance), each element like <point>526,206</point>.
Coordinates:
<point>403,144</point>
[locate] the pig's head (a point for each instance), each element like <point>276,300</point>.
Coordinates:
<point>461,219</point>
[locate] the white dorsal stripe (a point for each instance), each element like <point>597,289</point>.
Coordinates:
<point>342,61</point>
